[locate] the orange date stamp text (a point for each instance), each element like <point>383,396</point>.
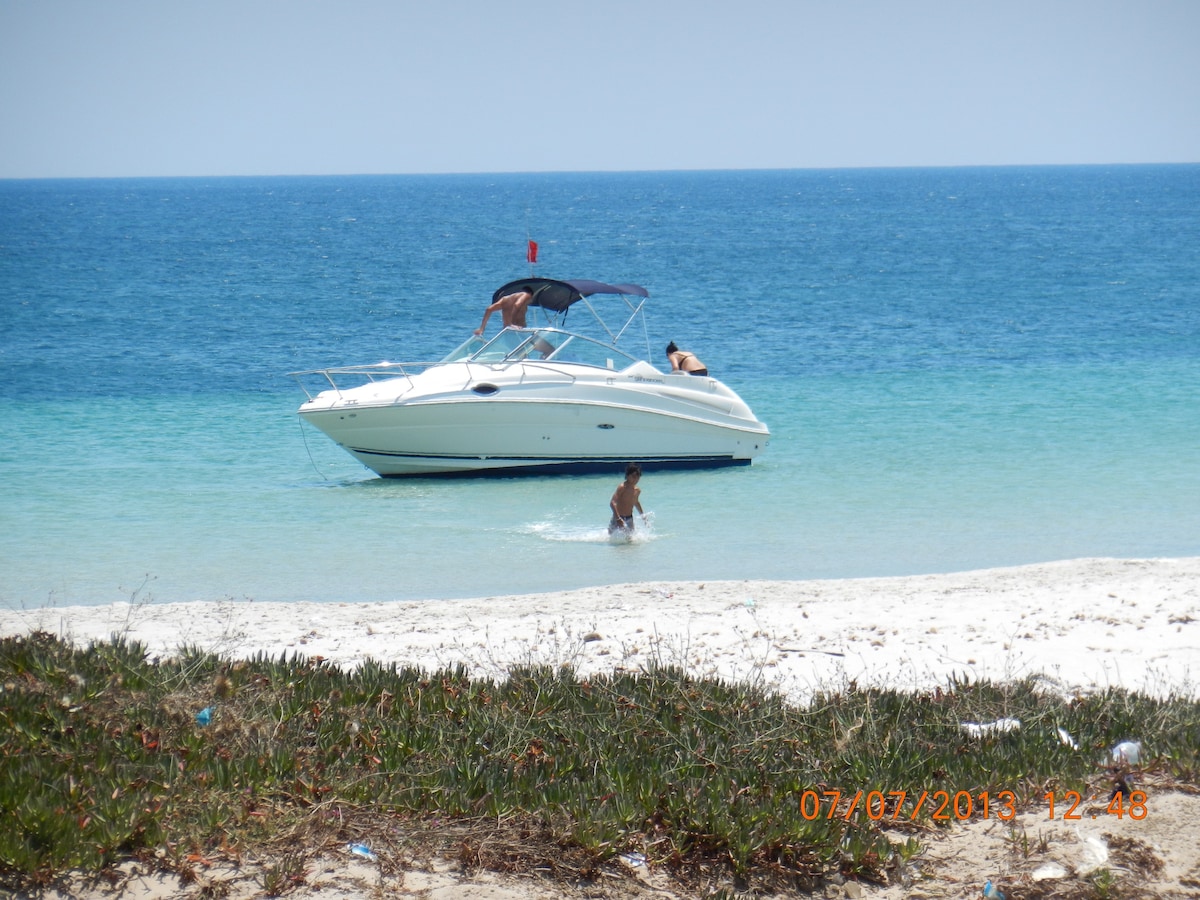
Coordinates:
<point>959,806</point>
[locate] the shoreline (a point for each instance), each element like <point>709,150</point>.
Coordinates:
<point>1078,625</point>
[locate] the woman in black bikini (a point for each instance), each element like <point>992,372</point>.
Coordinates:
<point>682,361</point>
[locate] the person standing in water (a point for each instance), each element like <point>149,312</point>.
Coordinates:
<point>625,499</point>
<point>683,361</point>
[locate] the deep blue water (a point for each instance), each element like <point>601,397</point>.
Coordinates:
<point>960,367</point>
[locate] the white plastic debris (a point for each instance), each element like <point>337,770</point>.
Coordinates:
<point>1067,740</point>
<point>987,729</point>
<point>1127,752</point>
<point>1049,870</point>
<point>1093,855</point>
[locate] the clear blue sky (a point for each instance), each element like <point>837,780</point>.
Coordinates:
<point>249,87</point>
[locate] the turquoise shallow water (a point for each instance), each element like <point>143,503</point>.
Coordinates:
<point>961,368</point>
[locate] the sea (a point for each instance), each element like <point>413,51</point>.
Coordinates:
<point>961,368</point>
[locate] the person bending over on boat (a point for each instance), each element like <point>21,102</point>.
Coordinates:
<point>682,361</point>
<point>625,499</point>
<point>511,308</point>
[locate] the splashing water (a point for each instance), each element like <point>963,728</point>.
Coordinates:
<point>562,532</point>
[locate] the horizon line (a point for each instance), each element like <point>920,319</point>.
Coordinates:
<point>518,172</point>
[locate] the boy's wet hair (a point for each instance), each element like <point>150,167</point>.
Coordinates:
<point>633,469</point>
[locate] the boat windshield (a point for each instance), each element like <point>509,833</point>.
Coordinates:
<point>465,350</point>
<point>515,344</point>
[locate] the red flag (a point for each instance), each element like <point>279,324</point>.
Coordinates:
<point>531,253</point>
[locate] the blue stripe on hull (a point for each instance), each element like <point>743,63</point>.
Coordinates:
<point>557,467</point>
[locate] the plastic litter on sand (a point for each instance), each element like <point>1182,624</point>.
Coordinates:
<point>988,729</point>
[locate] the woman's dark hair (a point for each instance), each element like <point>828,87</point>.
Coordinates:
<point>671,348</point>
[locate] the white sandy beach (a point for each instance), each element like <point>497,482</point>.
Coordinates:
<point>1078,625</point>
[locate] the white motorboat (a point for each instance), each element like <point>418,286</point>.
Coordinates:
<point>539,399</point>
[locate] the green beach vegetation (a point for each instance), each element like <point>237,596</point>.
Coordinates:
<point>108,755</point>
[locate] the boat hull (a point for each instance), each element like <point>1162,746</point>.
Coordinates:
<point>536,428</point>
